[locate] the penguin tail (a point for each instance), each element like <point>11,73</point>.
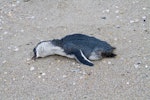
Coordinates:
<point>108,55</point>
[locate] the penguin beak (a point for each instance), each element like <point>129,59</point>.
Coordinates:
<point>34,57</point>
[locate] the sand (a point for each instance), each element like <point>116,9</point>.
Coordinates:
<point>122,23</point>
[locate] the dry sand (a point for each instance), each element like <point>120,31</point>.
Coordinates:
<point>122,23</point>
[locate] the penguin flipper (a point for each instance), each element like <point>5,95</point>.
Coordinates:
<point>72,49</point>
<point>82,58</point>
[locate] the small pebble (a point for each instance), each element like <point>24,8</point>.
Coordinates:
<point>75,70</point>
<point>73,63</point>
<point>131,21</point>
<point>136,66</point>
<point>107,10</point>
<point>145,58</point>
<point>146,66</point>
<point>81,77</point>
<point>28,59</point>
<point>14,79</point>
<point>115,39</point>
<point>43,74</point>
<point>32,17</point>
<point>65,29</point>
<point>139,63</point>
<point>127,83</point>
<point>1,38</point>
<point>62,90</point>
<point>116,7</point>
<point>9,48</point>
<point>78,66</point>
<point>144,8</point>
<point>1,28</point>
<point>84,73</point>
<point>4,61</point>
<point>129,41</point>
<point>16,49</point>
<point>13,5</point>
<point>39,76</point>
<point>143,17</point>
<point>124,38</point>
<point>1,17</point>
<point>23,77</point>
<point>57,68</point>
<point>103,17</point>
<point>32,68</point>
<point>74,83</point>
<point>117,26</point>
<point>5,72</point>
<point>135,2</point>
<point>18,2</point>
<point>117,11</point>
<point>58,61</point>
<point>117,16</point>
<point>136,20</point>
<point>5,32</point>
<point>26,0</point>
<point>9,14</point>
<point>22,30</point>
<point>64,76</point>
<point>109,62</point>
<point>122,58</point>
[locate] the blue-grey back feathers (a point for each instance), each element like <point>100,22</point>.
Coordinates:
<point>87,44</point>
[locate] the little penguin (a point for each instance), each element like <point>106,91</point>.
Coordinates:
<point>79,46</point>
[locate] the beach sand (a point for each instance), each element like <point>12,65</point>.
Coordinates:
<point>124,24</point>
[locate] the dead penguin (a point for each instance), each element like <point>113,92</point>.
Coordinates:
<point>79,46</point>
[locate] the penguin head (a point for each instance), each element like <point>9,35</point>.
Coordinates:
<point>43,49</point>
